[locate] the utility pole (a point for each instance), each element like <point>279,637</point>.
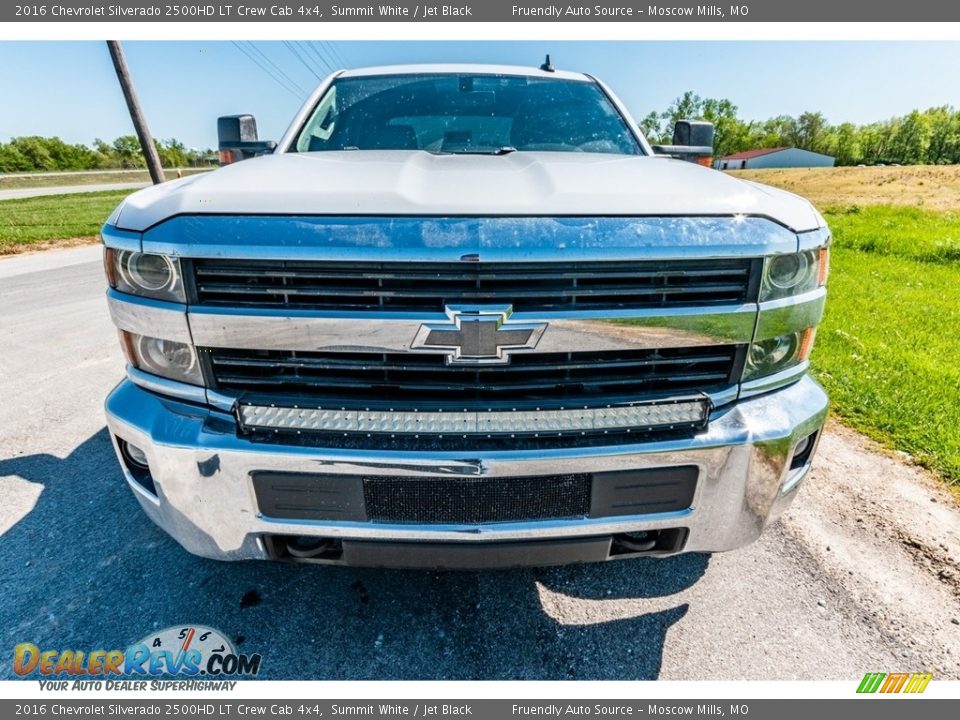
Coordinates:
<point>136,113</point>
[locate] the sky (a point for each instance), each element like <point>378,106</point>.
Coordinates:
<point>69,89</point>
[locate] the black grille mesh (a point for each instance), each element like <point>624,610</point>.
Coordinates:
<point>359,286</point>
<point>469,500</point>
<point>417,379</point>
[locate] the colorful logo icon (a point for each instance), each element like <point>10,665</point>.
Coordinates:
<point>191,651</point>
<point>894,683</point>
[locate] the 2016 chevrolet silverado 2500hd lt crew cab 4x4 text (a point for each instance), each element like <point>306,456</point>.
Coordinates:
<point>464,316</point>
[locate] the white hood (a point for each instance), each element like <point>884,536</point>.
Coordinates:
<point>417,183</point>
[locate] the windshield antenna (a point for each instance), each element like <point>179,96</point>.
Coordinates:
<point>547,65</point>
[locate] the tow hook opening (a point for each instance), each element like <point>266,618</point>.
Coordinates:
<point>303,548</point>
<point>648,542</point>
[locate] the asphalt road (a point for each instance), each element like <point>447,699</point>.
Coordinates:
<point>861,575</point>
<point>18,193</point>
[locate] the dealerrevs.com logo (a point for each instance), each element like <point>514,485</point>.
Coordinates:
<point>185,651</point>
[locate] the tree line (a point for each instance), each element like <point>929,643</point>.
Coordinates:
<point>37,154</point>
<point>930,137</point>
<point>921,137</point>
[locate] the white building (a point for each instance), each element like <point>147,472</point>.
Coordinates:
<point>784,157</point>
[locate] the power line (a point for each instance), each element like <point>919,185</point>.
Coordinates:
<point>280,71</point>
<point>331,61</point>
<point>266,69</point>
<point>336,53</point>
<point>310,49</point>
<point>299,57</point>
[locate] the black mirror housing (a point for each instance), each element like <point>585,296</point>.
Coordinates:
<point>232,129</point>
<point>237,139</point>
<point>692,141</point>
<point>693,133</point>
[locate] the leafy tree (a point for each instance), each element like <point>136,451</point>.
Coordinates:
<point>928,136</point>
<point>127,148</point>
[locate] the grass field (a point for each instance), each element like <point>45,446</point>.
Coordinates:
<point>13,181</point>
<point>925,187</point>
<point>32,222</point>
<point>888,350</point>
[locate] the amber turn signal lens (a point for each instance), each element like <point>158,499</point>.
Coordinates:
<point>126,344</point>
<point>806,343</point>
<point>824,268</point>
<point>110,266</point>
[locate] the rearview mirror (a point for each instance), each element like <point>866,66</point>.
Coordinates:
<point>692,141</point>
<point>237,139</point>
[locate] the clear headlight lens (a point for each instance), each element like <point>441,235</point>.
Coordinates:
<point>166,358</point>
<point>144,274</point>
<point>776,354</point>
<point>794,274</point>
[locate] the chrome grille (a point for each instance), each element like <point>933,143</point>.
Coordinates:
<point>421,380</point>
<point>428,287</point>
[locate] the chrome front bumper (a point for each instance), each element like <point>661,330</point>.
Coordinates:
<point>204,495</point>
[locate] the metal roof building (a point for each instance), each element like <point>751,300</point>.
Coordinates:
<point>782,157</point>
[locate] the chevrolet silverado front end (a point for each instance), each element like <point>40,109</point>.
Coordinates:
<point>463,316</point>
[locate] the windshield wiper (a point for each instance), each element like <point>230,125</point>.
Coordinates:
<point>502,150</point>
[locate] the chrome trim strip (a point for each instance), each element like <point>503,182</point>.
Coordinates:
<point>114,237</point>
<point>153,318</point>
<point>445,239</point>
<point>171,388</point>
<point>765,384</point>
<point>395,332</point>
<point>790,314</point>
<point>221,401</point>
<point>723,397</point>
<point>813,239</point>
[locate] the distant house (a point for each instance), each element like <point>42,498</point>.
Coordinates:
<point>782,157</point>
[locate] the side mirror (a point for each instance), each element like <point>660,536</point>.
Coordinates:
<point>692,141</point>
<point>237,139</point>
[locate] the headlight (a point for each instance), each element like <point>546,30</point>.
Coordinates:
<point>166,358</point>
<point>794,274</point>
<point>776,354</point>
<point>144,274</point>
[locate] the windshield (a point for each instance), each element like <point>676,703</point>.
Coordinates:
<point>465,113</point>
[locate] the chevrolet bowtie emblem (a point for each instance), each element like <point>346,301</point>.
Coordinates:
<point>478,335</point>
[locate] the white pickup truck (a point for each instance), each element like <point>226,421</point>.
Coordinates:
<point>464,316</point>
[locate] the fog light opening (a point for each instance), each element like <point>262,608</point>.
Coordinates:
<point>136,463</point>
<point>803,452</point>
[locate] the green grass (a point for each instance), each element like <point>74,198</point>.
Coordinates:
<point>888,350</point>
<point>57,217</point>
<point>902,231</point>
<point>10,181</point>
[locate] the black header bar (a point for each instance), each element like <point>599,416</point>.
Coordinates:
<point>323,11</point>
